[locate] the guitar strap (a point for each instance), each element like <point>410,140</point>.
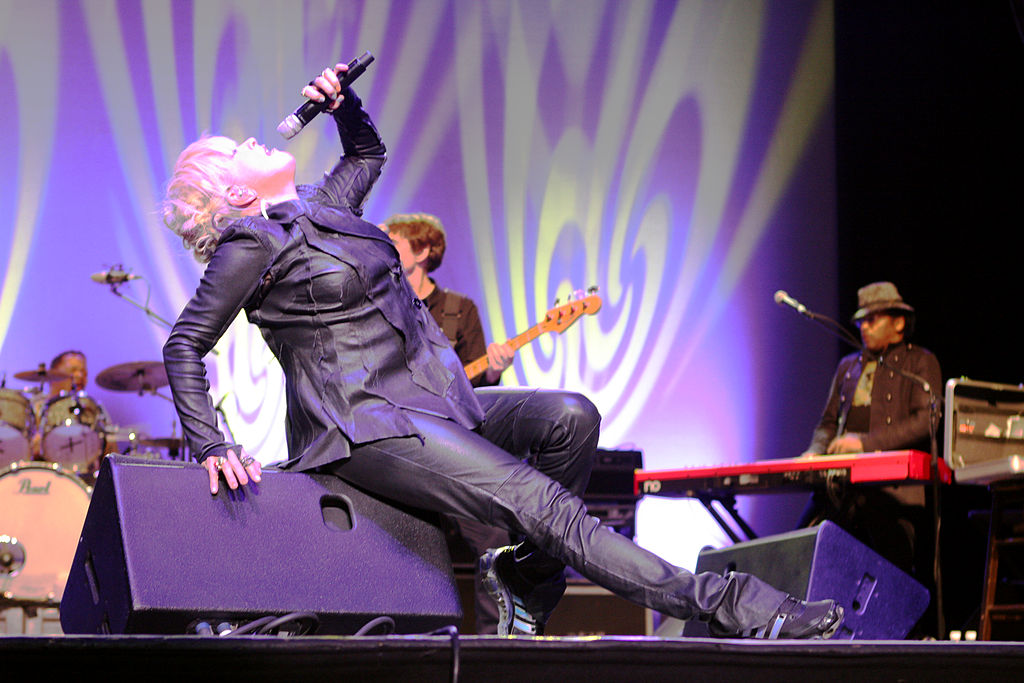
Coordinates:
<point>450,315</point>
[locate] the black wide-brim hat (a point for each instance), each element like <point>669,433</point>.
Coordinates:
<point>878,297</point>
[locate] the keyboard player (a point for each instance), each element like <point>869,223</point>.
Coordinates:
<point>873,407</point>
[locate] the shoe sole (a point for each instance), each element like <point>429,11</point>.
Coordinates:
<point>496,589</point>
<point>508,615</point>
<point>831,630</point>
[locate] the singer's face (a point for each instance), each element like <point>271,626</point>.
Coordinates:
<point>879,330</point>
<point>262,169</point>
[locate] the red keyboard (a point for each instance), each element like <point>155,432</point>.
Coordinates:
<point>774,476</point>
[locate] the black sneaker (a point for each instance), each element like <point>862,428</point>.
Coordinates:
<point>497,575</point>
<point>803,620</point>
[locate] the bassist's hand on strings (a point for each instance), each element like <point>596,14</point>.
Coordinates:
<point>499,358</point>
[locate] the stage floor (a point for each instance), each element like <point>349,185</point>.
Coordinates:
<point>490,658</point>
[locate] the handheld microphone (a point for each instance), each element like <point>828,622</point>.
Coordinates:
<point>114,276</point>
<point>298,119</point>
<point>784,299</point>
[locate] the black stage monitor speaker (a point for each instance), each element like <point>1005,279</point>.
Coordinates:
<point>824,562</point>
<point>158,554</point>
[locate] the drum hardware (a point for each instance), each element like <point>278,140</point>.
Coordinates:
<point>12,555</point>
<point>170,442</point>
<point>125,436</point>
<point>135,442</point>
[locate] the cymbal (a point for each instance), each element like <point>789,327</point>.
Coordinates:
<point>141,376</point>
<point>41,374</point>
<point>161,442</point>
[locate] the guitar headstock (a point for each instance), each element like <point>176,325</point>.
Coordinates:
<point>559,318</point>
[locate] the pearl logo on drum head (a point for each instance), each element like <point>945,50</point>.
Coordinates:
<point>26,488</point>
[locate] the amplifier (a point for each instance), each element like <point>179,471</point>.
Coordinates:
<point>612,477</point>
<point>609,495</point>
<point>984,435</point>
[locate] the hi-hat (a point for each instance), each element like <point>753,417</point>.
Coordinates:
<point>41,374</point>
<point>141,377</point>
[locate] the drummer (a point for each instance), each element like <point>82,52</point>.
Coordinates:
<point>71,364</point>
<point>69,373</point>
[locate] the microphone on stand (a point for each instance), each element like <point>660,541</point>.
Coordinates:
<point>782,298</point>
<point>114,276</point>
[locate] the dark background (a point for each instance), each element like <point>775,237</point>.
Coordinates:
<point>929,143</point>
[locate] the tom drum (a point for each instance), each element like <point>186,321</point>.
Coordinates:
<point>16,425</point>
<point>73,427</point>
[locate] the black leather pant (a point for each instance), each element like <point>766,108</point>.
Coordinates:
<point>523,471</point>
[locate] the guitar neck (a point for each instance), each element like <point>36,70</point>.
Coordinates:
<point>479,366</point>
<point>558,319</point>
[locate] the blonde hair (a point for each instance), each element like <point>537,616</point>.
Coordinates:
<point>422,230</point>
<point>195,206</point>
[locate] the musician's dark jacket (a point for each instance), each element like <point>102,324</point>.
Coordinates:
<point>900,408</point>
<point>327,291</point>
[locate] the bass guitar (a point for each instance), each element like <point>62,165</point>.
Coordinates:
<point>558,319</point>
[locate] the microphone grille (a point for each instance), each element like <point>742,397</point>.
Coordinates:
<point>290,127</point>
<point>780,296</point>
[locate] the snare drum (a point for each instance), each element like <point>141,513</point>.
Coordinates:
<point>42,510</point>
<point>17,422</point>
<point>73,428</point>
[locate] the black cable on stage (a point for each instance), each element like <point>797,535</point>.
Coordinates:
<point>388,622</point>
<point>453,635</point>
<point>252,626</point>
<point>306,624</point>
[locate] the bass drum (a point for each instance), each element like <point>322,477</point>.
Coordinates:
<point>43,510</point>
<point>73,427</point>
<point>17,422</point>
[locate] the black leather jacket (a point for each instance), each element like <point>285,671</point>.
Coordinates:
<point>900,408</point>
<point>326,289</point>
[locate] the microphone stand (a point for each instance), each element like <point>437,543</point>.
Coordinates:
<point>934,415</point>
<point>833,327</point>
<point>144,307</point>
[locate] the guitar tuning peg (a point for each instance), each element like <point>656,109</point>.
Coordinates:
<point>592,289</point>
<point>556,301</point>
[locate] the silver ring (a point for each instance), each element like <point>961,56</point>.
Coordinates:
<point>247,460</point>
<point>221,461</point>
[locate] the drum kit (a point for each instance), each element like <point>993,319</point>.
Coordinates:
<point>50,449</point>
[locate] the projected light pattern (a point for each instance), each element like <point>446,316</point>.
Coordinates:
<point>650,149</point>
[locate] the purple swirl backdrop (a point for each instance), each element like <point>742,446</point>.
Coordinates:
<point>676,155</point>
